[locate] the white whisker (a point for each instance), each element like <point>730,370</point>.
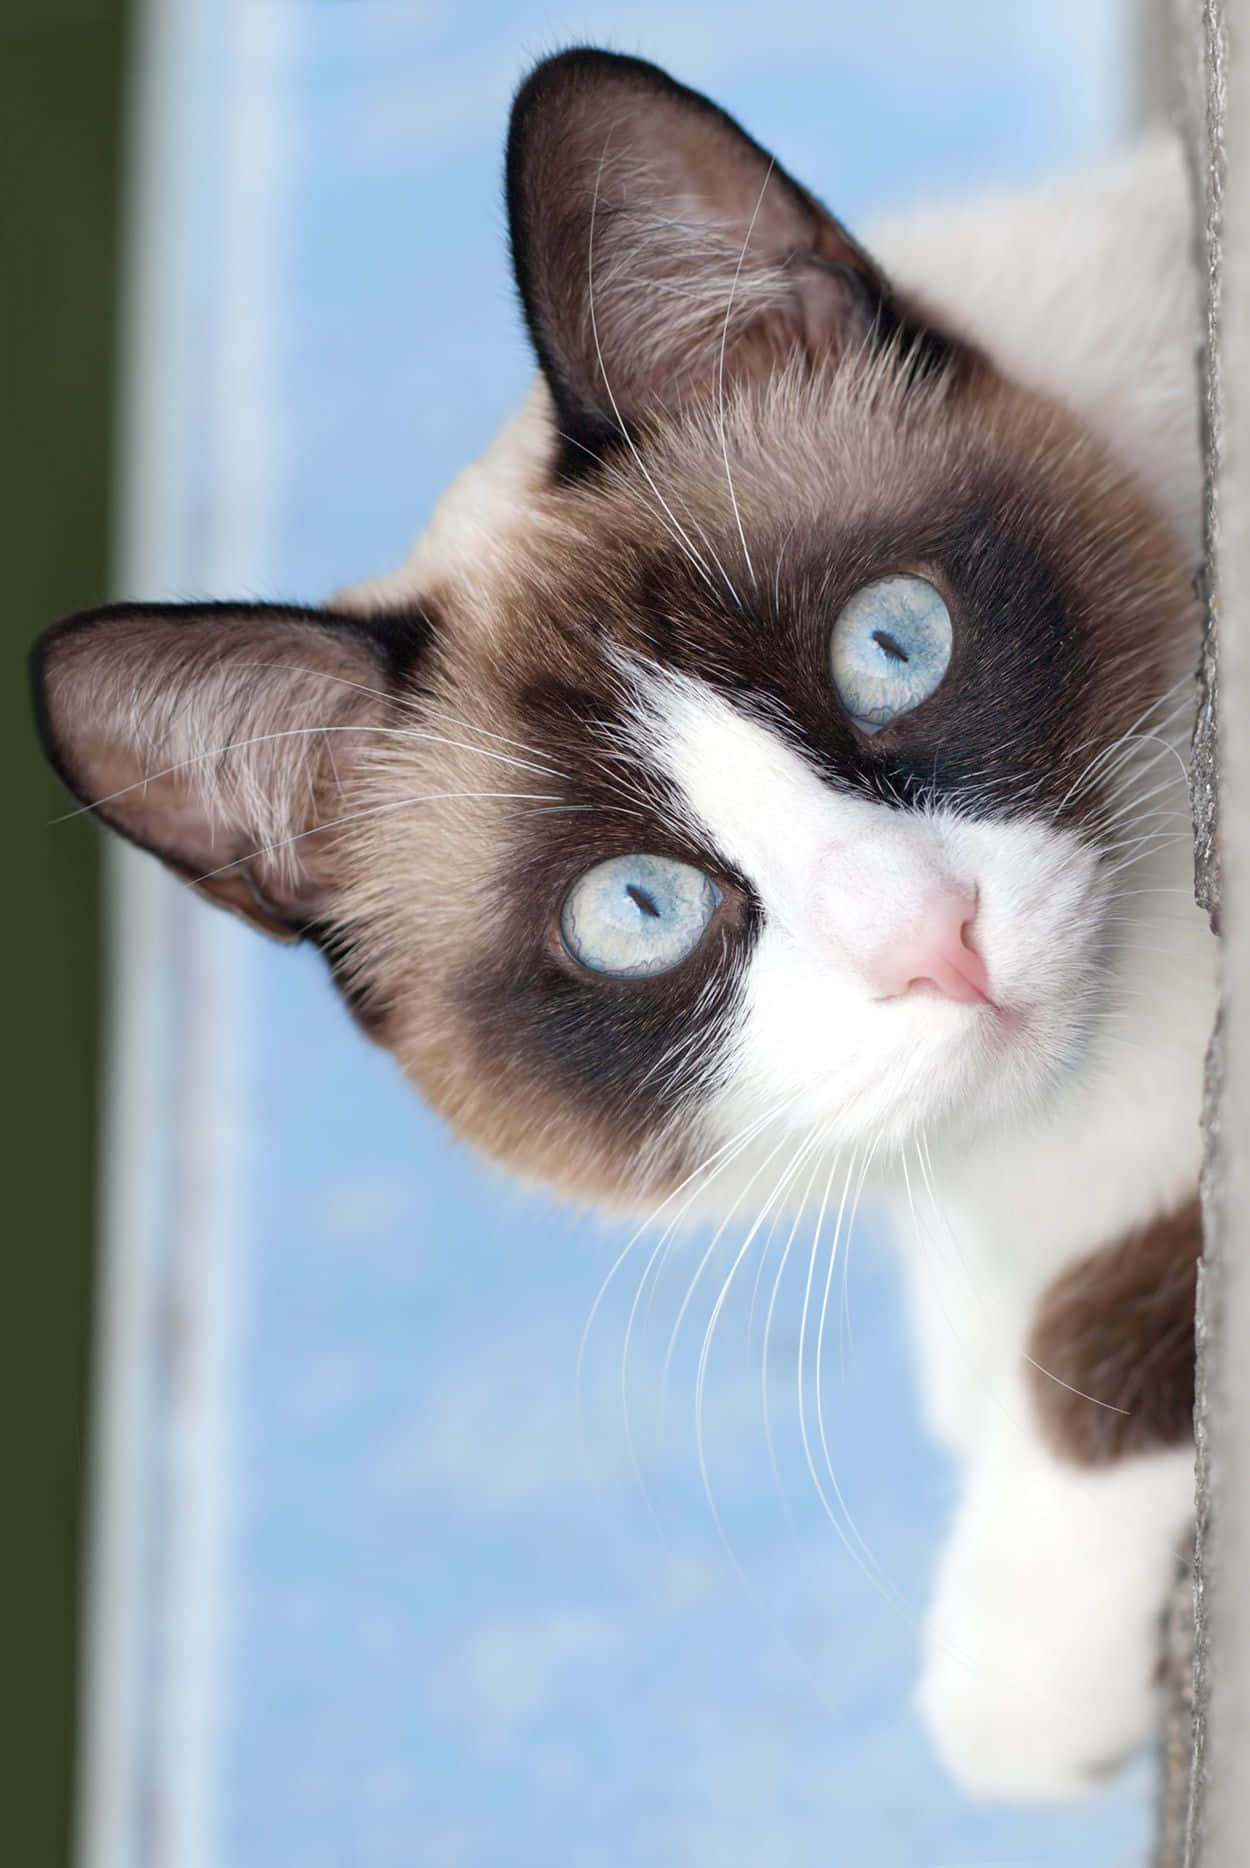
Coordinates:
<point>720,373</point>
<point>352,817</point>
<point>675,529</point>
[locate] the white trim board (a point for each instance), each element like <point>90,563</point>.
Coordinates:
<point>205,192</point>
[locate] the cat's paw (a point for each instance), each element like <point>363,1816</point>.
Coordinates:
<point>1015,1716</point>
<point>1042,1644</point>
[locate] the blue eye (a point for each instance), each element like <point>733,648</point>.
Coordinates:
<point>637,915</point>
<point>890,649</point>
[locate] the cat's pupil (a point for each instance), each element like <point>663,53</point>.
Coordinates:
<point>641,900</point>
<point>893,649</point>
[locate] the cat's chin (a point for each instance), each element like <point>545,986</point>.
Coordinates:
<point>1015,1062</point>
<point>1015,1065</point>
<point>1015,1058</point>
<point>989,1067</point>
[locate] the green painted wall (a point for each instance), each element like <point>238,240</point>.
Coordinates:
<point>61,66</point>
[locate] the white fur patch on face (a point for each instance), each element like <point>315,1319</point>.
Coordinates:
<point>830,1022</point>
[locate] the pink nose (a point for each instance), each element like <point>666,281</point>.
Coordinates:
<point>938,953</point>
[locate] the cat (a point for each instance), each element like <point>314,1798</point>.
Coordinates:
<point>764,774</point>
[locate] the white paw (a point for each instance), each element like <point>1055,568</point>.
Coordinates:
<point>1013,1715</point>
<point>1043,1639</point>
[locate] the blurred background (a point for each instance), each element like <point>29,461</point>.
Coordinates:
<point>369,1512</point>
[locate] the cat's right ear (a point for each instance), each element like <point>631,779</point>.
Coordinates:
<point>661,253</point>
<point>226,738</point>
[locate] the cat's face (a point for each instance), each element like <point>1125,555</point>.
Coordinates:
<point>737,759</point>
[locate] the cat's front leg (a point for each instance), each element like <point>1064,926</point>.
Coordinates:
<point>1042,1642</point>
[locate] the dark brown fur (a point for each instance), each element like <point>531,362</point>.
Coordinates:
<point>1112,1348</point>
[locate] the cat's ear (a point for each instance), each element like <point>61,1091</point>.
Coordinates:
<point>223,737</point>
<point>650,234</point>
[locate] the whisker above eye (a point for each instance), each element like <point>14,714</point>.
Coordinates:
<point>720,368</point>
<point>676,531</point>
<point>421,706</point>
<point>285,733</point>
<point>424,708</point>
<point>352,817</point>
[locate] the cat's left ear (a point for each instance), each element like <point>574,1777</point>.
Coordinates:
<point>659,249</point>
<point>226,738</point>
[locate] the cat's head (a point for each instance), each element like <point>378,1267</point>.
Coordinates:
<point>737,749</point>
